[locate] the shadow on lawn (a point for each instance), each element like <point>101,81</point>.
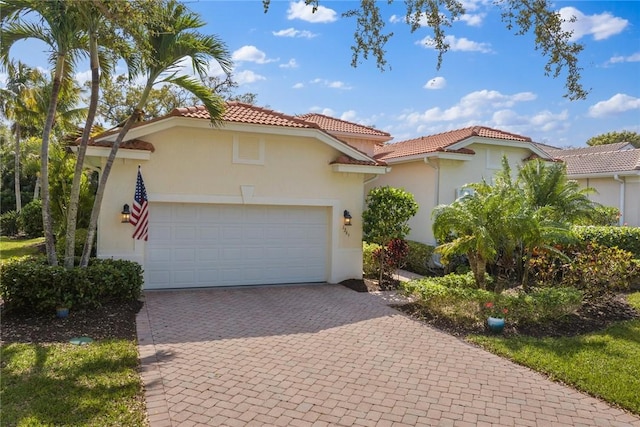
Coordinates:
<point>68,385</point>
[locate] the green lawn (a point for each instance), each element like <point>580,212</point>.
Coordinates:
<point>68,385</point>
<point>605,364</point>
<point>10,248</point>
<point>64,385</point>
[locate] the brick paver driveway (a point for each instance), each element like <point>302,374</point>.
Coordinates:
<point>325,355</point>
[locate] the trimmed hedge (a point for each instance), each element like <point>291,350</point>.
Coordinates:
<point>626,238</point>
<point>29,283</point>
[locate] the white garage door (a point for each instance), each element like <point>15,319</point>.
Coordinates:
<point>200,245</point>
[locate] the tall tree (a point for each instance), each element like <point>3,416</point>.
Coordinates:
<point>521,16</point>
<point>171,38</point>
<point>615,137</point>
<point>57,25</point>
<point>15,99</point>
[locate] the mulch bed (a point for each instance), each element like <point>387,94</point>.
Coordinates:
<point>592,316</point>
<point>111,321</point>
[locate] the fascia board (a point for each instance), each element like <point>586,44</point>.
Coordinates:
<point>603,174</point>
<point>500,142</point>
<point>434,154</point>
<point>378,170</point>
<point>123,153</point>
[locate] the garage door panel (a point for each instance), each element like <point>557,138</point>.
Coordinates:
<point>192,245</point>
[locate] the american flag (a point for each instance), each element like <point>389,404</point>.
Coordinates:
<point>140,214</point>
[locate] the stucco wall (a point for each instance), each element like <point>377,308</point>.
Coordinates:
<point>436,182</point>
<point>196,166</point>
<point>608,194</point>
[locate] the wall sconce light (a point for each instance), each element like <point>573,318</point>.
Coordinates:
<point>125,214</point>
<point>347,218</point>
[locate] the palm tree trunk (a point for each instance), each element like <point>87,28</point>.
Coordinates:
<point>47,221</point>
<point>74,198</point>
<point>97,203</point>
<point>16,171</point>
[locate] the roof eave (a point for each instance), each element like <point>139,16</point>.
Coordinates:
<point>124,153</point>
<point>500,142</point>
<point>366,169</point>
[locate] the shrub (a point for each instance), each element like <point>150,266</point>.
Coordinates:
<point>597,270</point>
<point>455,297</point>
<point>369,262</point>
<point>419,257</point>
<point>396,253</point>
<point>30,284</point>
<point>627,238</point>
<point>30,219</point>
<point>9,223</point>
<point>605,216</point>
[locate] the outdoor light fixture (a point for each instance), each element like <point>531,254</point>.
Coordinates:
<point>125,214</point>
<point>347,217</point>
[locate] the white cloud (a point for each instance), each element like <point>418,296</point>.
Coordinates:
<point>83,77</point>
<point>471,106</point>
<point>395,19</point>
<point>337,84</point>
<point>457,44</point>
<point>435,83</point>
<point>298,86</point>
<point>600,26</point>
<point>618,103</point>
<point>247,76</point>
<point>291,64</point>
<point>325,111</point>
<point>322,15</point>
<point>349,116</point>
<point>473,19</point>
<point>631,58</point>
<point>292,32</point>
<point>251,54</point>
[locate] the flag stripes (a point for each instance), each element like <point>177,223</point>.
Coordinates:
<point>140,213</point>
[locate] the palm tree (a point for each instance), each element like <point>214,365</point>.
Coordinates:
<point>14,104</point>
<point>57,25</point>
<point>545,185</point>
<point>170,38</point>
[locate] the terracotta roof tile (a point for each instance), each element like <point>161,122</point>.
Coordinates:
<point>239,112</point>
<point>133,144</point>
<point>346,160</point>
<point>594,160</point>
<point>587,150</point>
<point>331,124</point>
<point>439,142</point>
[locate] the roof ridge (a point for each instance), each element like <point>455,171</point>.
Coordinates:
<point>591,153</point>
<point>526,138</point>
<point>345,121</point>
<point>274,112</point>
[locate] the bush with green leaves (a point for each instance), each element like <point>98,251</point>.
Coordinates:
<point>627,238</point>
<point>369,262</point>
<point>31,219</point>
<point>81,236</point>
<point>594,269</point>
<point>419,257</point>
<point>456,297</point>
<point>30,284</point>
<point>602,216</point>
<point>9,223</point>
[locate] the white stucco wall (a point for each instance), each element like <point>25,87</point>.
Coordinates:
<point>608,194</point>
<point>196,166</point>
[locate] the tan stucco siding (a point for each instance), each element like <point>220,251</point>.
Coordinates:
<point>196,166</point>
<point>438,181</point>
<point>608,194</point>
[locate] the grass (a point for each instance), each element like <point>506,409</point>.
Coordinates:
<point>64,384</point>
<point>11,248</point>
<point>604,364</point>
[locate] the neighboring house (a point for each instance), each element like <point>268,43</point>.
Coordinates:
<point>435,168</point>
<point>258,200</point>
<point>613,170</point>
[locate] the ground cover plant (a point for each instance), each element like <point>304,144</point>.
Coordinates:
<point>46,380</point>
<point>11,248</point>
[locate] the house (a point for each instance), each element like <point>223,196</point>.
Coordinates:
<point>435,168</point>
<point>613,170</point>
<point>260,199</point>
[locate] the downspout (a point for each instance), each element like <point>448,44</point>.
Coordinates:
<point>622,190</point>
<point>437,168</point>
<point>367,181</point>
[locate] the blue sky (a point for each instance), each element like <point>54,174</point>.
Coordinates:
<point>298,62</point>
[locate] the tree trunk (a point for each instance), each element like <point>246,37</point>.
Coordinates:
<point>36,187</point>
<point>97,203</point>
<point>47,221</point>
<point>74,198</point>
<point>16,172</point>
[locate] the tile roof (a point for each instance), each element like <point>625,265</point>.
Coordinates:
<point>331,124</point>
<point>553,151</point>
<point>346,160</point>
<point>595,160</point>
<point>440,142</point>
<point>239,112</point>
